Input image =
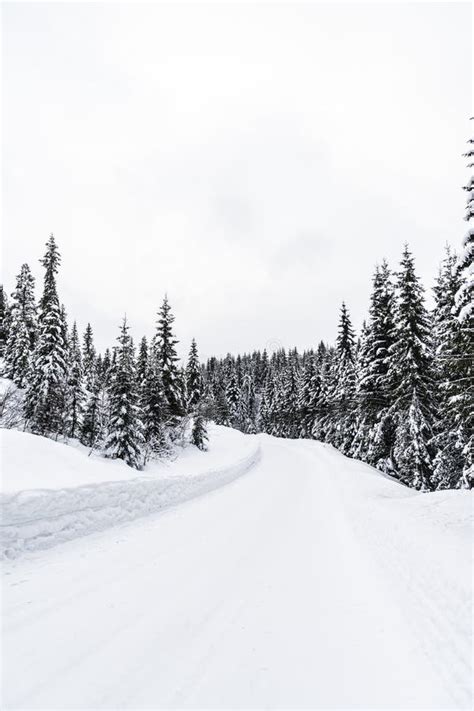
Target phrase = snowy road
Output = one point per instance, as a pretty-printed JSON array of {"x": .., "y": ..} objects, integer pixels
[{"x": 310, "y": 582}]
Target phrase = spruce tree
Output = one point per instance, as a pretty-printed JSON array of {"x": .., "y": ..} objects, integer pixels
[
  {"x": 290, "y": 397},
  {"x": 88, "y": 358},
  {"x": 265, "y": 414},
  {"x": 154, "y": 406},
  {"x": 4, "y": 320},
  {"x": 199, "y": 433},
  {"x": 248, "y": 405},
  {"x": 323, "y": 422},
  {"x": 95, "y": 417},
  {"x": 309, "y": 397},
  {"x": 142, "y": 361},
  {"x": 23, "y": 328},
  {"x": 411, "y": 380},
  {"x": 125, "y": 429},
  {"x": 193, "y": 378},
  {"x": 465, "y": 294},
  {"x": 232, "y": 394},
  {"x": 75, "y": 396},
  {"x": 166, "y": 349},
  {"x": 45, "y": 396},
  {"x": 343, "y": 395},
  {"x": 375, "y": 431}
]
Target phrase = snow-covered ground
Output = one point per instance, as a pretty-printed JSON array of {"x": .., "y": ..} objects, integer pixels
[
  {"x": 310, "y": 582},
  {"x": 52, "y": 492}
]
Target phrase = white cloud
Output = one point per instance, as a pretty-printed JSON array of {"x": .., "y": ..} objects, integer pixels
[{"x": 253, "y": 160}]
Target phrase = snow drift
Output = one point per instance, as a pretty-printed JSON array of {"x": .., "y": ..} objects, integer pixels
[{"x": 53, "y": 492}]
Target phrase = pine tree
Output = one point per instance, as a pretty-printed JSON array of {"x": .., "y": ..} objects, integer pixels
[
  {"x": 232, "y": 394},
  {"x": 323, "y": 422},
  {"x": 375, "y": 431},
  {"x": 166, "y": 345},
  {"x": 142, "y": 361},
  {"x": 365, "y": 396},
  {"x": 411, "y": 379},
  {"x": 75, "y": 397},
  {"x": 23, "y": 327},
  {"x": 125, "y": 429},
  {"x": 309, "y": 397},
  {"x": 462, "y": 359},
  {"x": 154, "y": 406},
  {"x": 343, "y": 394},
  {"x": 248, "y": 405},
  {"x": 45, "y": 396},
  {"x": 290, "y": 397},
  {"x": 265, "y": 415},
  {"x": 88, "y": 358},
  {"x": 465, "y": 294},
  {"x": 199, "y": 433},
  {"x": 94, "y": 421},
  {"x": 193, "y": 378},
  {"x": 4, "y": 320}
]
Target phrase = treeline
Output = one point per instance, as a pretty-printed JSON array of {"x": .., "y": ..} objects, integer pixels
[
  {"x": 129, "y": 404},
  {"x": 399, "y": 397}
]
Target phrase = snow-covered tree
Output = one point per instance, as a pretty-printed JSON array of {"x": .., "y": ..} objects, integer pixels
[
  {"x": 45, "y": 395},
  {"x": 154, "y": 406},
  {"x": 343, "y": 400},
  {"x": 411, "y": 380},
  {"x": 125, "y": 428},
  {"x": 88, "y": 358},
  {"x": 308, "y": 397},
  {"x": 199, "y": 433},
  {"x": 75, "y": 394},
  {"x": 232, "y": 394},
  {"x": 95, "y": 417},
  {"x": 168, "y": 359},
  {"x": 4, "y": 320},
  {"x": 248, "y": 405},
  {"x": 23, "y": 328},
  {"x": 374, "y": 438},
  {"x": 142, "y": 361},
  {"x": 193, "y": 378}
]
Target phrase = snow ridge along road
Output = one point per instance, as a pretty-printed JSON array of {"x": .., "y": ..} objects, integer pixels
[
  {"x": 312, "y": 582},
  {"x": 36, "y": 519}
]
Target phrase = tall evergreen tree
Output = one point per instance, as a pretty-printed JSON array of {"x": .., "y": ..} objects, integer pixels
[
  {"x": 344, "y": 411},
  {"x": 193, "y": 378},
  {"x": 23, "y": 327},
  {"x": 166, "y": 345},
  {"x": 290, "y": 395},
  {"x": 248, "y": 405},
  {"x": 125, "y": 429},
  {"x": 376, "y": 436},
  {"x": 4, "y": 320},
  {"x": 88, "y": 358},
  {"x": 232, "y": 394},
  {"x": 411, "y": 380},
  {"x": 142, "y": 361},
  {"x": 95, "y": 417},
  {"x": 45, "y": 396},
  {"x": 309, "y": 393},
  {"x": 450, "y": 433},
  {"x": 154, "y": 406},
  {"x": 75, "y": 395},
  {"x": 199, "y": 433}
]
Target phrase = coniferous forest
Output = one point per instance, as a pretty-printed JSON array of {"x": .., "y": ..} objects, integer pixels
[{"x": 398, "y": 395}]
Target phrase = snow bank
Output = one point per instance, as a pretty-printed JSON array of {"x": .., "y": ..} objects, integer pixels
[{"x": 53, "y": 492}]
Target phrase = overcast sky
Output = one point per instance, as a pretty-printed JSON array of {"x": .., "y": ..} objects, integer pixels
[{"x": 254, "y": 161}]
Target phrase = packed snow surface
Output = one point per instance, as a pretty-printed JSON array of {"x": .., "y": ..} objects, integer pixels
[{"x": 310, "y": 582}]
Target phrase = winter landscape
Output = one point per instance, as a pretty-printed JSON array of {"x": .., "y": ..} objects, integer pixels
[{"x": 196, "y": 512}]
